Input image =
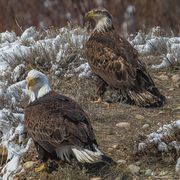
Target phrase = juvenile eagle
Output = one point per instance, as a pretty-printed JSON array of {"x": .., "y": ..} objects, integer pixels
[
  {"x": 57, "y": 124},
  {"x": 116, "y": 63}
]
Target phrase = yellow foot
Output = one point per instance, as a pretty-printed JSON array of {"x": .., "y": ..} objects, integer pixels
[
  {"x": 43, "y": 166},
  {"x": 100, "y": 101}
]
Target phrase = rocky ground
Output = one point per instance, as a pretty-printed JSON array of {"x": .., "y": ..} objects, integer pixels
[{"x": 117, "y": 128}]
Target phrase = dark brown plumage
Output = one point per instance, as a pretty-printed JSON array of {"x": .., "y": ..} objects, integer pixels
[
  {"x": 54, "y": 121},
  {"x": 116, "y": 63}
]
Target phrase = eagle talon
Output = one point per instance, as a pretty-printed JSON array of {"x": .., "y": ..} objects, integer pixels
[
  {"x": 100, "y": 101},
  {"x": 42, "y": 167}
]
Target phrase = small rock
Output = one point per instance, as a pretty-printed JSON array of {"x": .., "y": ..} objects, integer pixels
[
  {"x": 161, "y": 112},
  {"x": 133, "y": 169},
  {"x": 96, "y": 178},
  {"x": 138, "y": 116},
  {"x": 121, "y": 161},
  {"x": 148, "y": 172},
  {"x": 123, "y": 125},
  {"x": 29, "y": 164},
  {"x": 145, "y": 126},
  {"x": 110, "y": 150},
  {"x": 171, "y": 89},
  {"x": 175, "y": 78},
  {"x": 163, "y": 77},
  {"x": 177, "y": 108},
  {"x": 115, "y": 146}
]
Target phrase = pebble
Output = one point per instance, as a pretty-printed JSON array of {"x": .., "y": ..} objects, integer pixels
[
  {"x": 115, "y": 146},
  {"x": 110, "y": 150},
  {"x": 123, "y": 125},
  {"x": 29, "y": 164},
  {"x": 133, "y": 169},
  {"x": 138, "y": 116},
  {"x": 175, "y": 78},
  {"x": 145, "y": 126},
  {"x": 121, "y": 161},
  {"x": 161, "y": 112},
  {"x": 96, "y": 178},
  {"x": 177, "y": 108}
]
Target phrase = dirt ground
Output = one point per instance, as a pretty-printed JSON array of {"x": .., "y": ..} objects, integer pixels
[{"x": 118, "y": 142}]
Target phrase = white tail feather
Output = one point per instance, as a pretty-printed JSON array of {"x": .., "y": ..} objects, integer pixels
[
  {"x": 81, "y": 154},
  {"x": 64, "y": 153},
  {"x": 87, "y": 156}
]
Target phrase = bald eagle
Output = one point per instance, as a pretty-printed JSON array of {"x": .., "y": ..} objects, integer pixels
[
  {"x": 117, "y": 63},
  {"x": 57, "y": 124}
]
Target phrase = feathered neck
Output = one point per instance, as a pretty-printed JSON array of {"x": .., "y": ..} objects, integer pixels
[
  {"x": 103, "y": 25},
  {"x": 37, "y": 93}
]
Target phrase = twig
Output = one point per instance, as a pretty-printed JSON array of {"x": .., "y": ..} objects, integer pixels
[{"x": 18, "y": 25}]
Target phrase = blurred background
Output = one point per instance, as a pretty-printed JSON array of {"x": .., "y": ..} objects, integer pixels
[{"x": 129, "y": 16}]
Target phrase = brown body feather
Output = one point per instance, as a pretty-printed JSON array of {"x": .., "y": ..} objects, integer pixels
[
  {"x": 54, "y": 121},
  {"x": 116, "y": 63}
]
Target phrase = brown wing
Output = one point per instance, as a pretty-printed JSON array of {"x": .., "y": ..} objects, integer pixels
[
  {"x": 55, "y": 120},
  {"x": 113, "y": 59}
]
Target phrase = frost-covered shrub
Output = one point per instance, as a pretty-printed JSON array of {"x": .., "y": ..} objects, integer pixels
[
  {"x": 165, "y": 140},
  {"x": 154, "y": 43}
]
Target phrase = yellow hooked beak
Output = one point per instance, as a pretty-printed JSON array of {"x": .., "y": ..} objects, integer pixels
[
  {"x": 30, "y": 82},
  {"x": 89, "y": 15}
]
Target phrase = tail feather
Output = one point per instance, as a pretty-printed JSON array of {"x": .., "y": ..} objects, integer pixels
[
  {"x": 146, "y": 98},
  {"x": 144, "y": 92},
  {"x": 87, "y": 156}
]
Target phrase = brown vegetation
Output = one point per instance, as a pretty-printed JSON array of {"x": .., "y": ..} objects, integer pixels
[{"x": 46, "y": 13}]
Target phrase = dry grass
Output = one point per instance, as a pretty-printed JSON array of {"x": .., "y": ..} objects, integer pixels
[{"x": 104, "y": 122}]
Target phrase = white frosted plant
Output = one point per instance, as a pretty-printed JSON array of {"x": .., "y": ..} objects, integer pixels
[
  {"x": 154, "y": 44},
  {"x": 14, "y": 164},
  {"x": 164, "y": 140}
]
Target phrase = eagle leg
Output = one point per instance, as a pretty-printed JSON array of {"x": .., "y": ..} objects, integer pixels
[{"x": 101, "y": 85}]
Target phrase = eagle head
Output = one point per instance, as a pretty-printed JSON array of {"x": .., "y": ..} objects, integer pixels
[
  {"x": 37, "y": 84},
  {"x": 102, "y": 17}
]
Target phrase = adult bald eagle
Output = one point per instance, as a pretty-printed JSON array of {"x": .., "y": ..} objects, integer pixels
[
  {"x": 116, "y": 63},
  {"x": 57, "y": 124}
]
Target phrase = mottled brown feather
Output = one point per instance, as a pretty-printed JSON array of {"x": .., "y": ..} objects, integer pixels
[
  {"x": 116, "y": 62},
  {"x": 55, "y": 120}
]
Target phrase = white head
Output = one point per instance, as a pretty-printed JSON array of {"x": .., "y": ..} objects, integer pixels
[{"x": 37, "y": 84}]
